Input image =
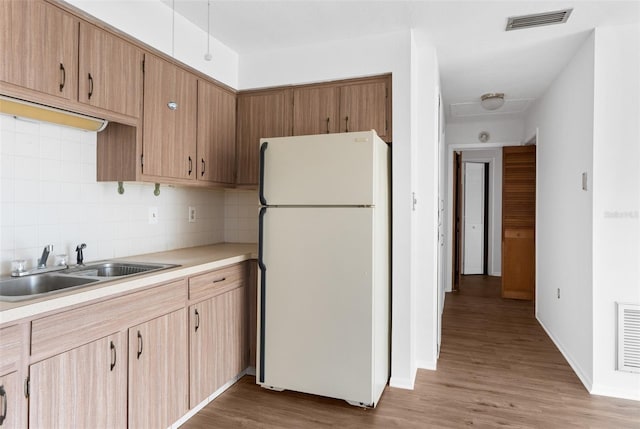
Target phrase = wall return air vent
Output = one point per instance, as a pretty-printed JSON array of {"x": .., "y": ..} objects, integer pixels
[
  {"x": 628, "y": 337},
  {"x": 538, "y": 19}
]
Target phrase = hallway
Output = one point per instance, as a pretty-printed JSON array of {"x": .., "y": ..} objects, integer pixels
[{"x": 497, "y": 368}]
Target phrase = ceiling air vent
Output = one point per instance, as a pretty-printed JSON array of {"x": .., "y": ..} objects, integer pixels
[{"x": 538, "y": 19}]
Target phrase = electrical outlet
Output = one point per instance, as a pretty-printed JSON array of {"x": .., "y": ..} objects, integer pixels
[
  {"x": 192, "y": 214},
  {"x": 153, "y": 215},
  {"x": 558, "y": 293}
]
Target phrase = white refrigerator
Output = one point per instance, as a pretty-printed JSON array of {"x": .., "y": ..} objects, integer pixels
[{"x": 324, "y": 258}]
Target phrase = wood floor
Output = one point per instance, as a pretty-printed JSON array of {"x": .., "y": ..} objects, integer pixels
[{"x": 497, "y": 368}]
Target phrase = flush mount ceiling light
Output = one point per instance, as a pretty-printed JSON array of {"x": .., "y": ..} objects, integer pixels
[
  {"x": 492, "y": 100},
  {"x": 208, "y": 56}
]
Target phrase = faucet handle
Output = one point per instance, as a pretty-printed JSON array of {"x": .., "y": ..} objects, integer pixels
[{"x": 80, "y": 257}]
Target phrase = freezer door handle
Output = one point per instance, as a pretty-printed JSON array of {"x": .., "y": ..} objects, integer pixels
[
  {"x": 263, "y": 283},
  {"x": 263, "y": 148}
]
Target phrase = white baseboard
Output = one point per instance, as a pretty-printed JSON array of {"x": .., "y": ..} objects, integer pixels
[
  {"x": 632, "y": 394},
  {"x": 404, "y": 382},
  {"x": 192, "y": 412},
  {"x": 583, "y": 376},
  {"x": 427, "y": 364}
]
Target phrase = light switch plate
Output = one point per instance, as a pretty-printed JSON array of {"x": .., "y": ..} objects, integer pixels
[
  {"x": 585, "y": 181},
  {"x": 192, "y": 214}
]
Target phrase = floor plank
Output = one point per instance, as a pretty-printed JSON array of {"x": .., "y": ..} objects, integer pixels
[{"x": 497, "y": 368}]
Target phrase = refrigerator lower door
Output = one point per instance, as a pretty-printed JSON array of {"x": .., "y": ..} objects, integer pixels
[{"x": 316, "y": 301}]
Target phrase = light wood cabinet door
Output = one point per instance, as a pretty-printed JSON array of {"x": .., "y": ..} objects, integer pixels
[
  {"x": 158, "y": 371},
  {"x": 10, "y": 397},
  {"x": 218, "y": 342},
  {"x": 262, "y": 114},
  {"x": 169, "y": 124},
  {"x": 363, "y": 107},
  {"x": 519, "y": 222},
  {"x": 216, "y": 134},
  {"x": 82, "y": 388},
  {"x": 315, "y": 110},
  {"x": 39, "y": 47},
  {"x": 110, "y": 74}
]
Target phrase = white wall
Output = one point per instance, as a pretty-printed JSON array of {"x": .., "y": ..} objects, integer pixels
[
  {"x": 150, "y": 21},
  {"x": 362, "y": 57},
  {"x": 49, "y": 195},
  {"x": 616, "y": 199},
  {"x": 564, "y": 222},
  {"x": 425, "y": 93},
  {"x": 494, "y": 158},
  {"x": 504, "y": 131}
]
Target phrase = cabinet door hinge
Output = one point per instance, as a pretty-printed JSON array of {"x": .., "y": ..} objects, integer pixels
[
  {"x": 142, "y": 66},
  {"x": 386, "y": 125},
  {"x": 386, "y": 92},
  {"x": 142, "y": 163},
  {"x": 26, "y": 387}
]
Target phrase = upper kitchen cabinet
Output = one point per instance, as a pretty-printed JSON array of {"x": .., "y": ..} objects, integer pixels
[
  {"x": 110, "y": 75},
  {"x": 216, "y": 134},
  {"x": 365, "y": 106},
  {"x": 169, "y": 121},
  {"x": 260, "y": 114},
  {"x": 40, "y": 48},
  {"x": 315, "y": 110}
]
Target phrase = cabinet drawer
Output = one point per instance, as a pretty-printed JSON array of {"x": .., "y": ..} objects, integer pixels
[
  {"x": 10, "y": 348},
  {"x": 67, "y": 330},
  {"x": 216, "y": 282}
]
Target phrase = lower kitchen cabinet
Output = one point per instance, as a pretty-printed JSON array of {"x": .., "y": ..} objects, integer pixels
[
  {"x": 82, "y": 388},
  {"x": 10, "y": 397},
  {"x": 158, "y": 373},
  {"x": 218, "y": 342}
]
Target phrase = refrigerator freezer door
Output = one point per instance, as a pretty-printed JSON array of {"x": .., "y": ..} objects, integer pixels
[
  {"x": 331, "y": 169},
  {"x": 316, "y": 331}
]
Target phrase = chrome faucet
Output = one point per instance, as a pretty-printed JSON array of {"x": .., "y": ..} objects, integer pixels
[{"x": 42, "y": 262}]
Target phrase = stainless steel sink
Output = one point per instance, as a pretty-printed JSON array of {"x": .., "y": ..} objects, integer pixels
[
  {"x": 116, "y": 269},
  {"x": 18, "y": 289},
  {"x": 33, "y": 286}
]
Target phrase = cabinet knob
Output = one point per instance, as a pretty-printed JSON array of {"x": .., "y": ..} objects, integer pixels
[{"x": 172, "y": 105}]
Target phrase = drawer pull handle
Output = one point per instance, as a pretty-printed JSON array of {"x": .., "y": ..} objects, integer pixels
[
  {"x": 197, "y": 319},
  {"x": 113, "y": 356},
  {"x": 219, "y": 280},
  {"x": 90, "y": 86},
  {"x": 140, "y": 344},
  {"x": 3, "y": 416},
  {"x": 63, "y": 76}
]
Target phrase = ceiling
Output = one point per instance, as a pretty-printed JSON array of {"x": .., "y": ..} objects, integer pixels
[{"x": 476, "y": 55}]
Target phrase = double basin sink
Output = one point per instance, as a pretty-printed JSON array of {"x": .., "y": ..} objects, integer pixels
[{"x": 33, "y": 286}]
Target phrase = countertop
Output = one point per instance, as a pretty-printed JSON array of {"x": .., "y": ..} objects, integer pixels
[{"x": 193, "y": 260}]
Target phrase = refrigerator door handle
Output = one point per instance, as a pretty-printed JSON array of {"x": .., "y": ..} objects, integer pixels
[
  {"x": 263, "y": 281},
  {"x": 263, "y": 148}
]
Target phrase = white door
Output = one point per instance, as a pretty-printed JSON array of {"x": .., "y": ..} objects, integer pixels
[
  {"x": 334, "y": 169},
  {"x": 318, "y": 301},
  {"x": 473, "y": 259}
]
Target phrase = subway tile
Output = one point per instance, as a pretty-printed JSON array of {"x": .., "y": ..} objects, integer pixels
[
  {"x": 26, "y": 214},
  {"x": 26, "y": 167},
  {"x": 7, "y": 166},
  {"x": 26, "y": 237},
  {"x": 7, "y": 190},
  {"x": 7, "y": 214},
  {"x": 7, "y": 239},
  {"x": 26, "y": 191},
  {"x": 7, "y": 123},
  {"x": 50, "y": 148}
]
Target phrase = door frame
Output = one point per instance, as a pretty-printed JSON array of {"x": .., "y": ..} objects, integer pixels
[{"x": 451, "y": 148}]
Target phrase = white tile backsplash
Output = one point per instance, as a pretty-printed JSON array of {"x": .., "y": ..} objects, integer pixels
[
  {"x": 241, "y": 216},
  {"x": 49, "y": 195}
]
